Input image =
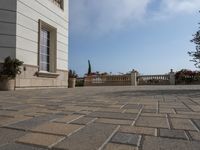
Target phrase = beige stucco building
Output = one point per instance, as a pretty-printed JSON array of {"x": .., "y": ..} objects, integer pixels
[{"x": 36, "y": 32}]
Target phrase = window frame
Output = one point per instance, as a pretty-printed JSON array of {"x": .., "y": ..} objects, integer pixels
[
  {"x": 58, "y": 4},
  {"x": 52, "y": 47}
]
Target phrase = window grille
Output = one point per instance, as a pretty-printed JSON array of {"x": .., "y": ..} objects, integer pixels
[{"x": 44, "y": 50}]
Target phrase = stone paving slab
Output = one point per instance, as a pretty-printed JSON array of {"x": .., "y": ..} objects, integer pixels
[
  {"x": 9, "y": 135},
  {"x": 57, "y": 128},
  {"x": 195, "y": 135},
  {"x": 185, "y": 116},
  {"x": 194, "y": 107},
  {"x": 179, "y": 134},
  {"x": 82, "y": 112},
  {"x": 126, "y": 138},
  {"x": 114, "y": 146},
  {"x": 91, "y": 137},
  {"x": 7, "y": 113},
  {"x": 157, "y": 143},
  {"x": 156, "y": 122},
  {"x": 18, "y": 108},
  {"x": 10, "y": 120},
  {"x": 157, "y": 115},
  {"x": 135, "y": 111},
  {"x": 138, "y": 130},
  {"x": 83, "y": 120},
  {"x": 166, "y": 111},
  {"x": 149, "y": 110},
  {"x": 14, "y": 146},
  {"x": 179, "y": 110},
  {"x": 67, "y": 119},
  {"x": 114, "y": 121},
  {"x": 197, "y": 123},
  {"x": 111, "y": 110},
  {"x": 103, "y": 118},
  {"x": 31, "y": 123},
  {"x": 182, "y": 124},
  {"x": 41, "y": 140},
  {"x": 132, "y": 106},
  {"x": 113, "y": 115},
  {"x": 4, "y": 120}
]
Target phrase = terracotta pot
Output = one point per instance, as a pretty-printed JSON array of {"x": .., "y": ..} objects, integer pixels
[
  {"x": 7, "y": 84},
  {"x": 72, "y": 82}
]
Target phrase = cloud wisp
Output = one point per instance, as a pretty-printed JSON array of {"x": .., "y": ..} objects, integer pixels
[
  {"x": 104, "y": 16},
  {"x": 180, "y": 6}
]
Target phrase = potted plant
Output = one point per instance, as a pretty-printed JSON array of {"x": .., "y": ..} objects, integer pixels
[
  {"x": 72, "y": 79},
  {"x": 10, "y": 69}
]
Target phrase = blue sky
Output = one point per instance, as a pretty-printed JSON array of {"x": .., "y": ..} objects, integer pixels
[{"x": 151, "y": 36}]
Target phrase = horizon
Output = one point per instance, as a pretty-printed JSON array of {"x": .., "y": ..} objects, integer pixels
[{"x": 151, "y": 37}]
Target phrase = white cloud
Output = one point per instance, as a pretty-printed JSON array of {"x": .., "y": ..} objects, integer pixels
[
  {"x": 104, "y": 16},
  {"x": 180, "y": 6}
]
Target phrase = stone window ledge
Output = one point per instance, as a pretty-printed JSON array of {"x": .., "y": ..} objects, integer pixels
[{"x": 47, "y": 74}]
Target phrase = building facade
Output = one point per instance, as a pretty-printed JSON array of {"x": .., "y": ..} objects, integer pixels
[{"x": 36, "y": 32}]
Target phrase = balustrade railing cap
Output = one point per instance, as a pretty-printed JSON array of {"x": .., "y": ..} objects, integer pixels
[{"x": 134, "y": 71}]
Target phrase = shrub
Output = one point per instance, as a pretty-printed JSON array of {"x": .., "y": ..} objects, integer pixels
[
  {"x": 11, "y": 67},
  {"x": 72, "y": 74},
  {"x": 187, "y": 76}
]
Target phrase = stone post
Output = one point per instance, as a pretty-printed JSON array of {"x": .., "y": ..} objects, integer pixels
[
  {"x": 172, "y": 77},
  {"x": 134, "y": 78}
]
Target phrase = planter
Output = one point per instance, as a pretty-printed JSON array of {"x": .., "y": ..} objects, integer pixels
[
  {"x": 72, "y": 82},
  {"x": 7, "y": 84}
]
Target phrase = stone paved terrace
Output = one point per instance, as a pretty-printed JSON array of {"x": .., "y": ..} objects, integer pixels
[{"x": 101, "y": 118}]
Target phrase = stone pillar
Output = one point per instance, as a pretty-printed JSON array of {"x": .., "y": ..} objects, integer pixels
[
  {"x": 134, "y": 78},
  {"x": 172, "y": 77}
]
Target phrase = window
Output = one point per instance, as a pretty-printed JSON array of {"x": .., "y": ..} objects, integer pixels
[
  {"x": 44, "y": 50},
  {"x": 47, "y": 48},
  {"x": 59, "y": 3}
]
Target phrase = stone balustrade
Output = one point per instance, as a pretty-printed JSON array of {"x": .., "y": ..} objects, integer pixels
[
  {"x": 133, "y": 79},
  {"x": 153, "y": 79},
  {"x": 107, "y": 80}
]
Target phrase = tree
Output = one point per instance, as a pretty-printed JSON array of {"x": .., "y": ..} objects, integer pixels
[
  {"x": 89, "y": 68},
  {"x": 196, "y": 54}
]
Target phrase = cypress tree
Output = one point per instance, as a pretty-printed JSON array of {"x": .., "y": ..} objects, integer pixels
[{"x": 89, "y": 68}]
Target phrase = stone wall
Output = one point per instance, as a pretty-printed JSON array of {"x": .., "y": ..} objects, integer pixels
[
  {"x": 29, "y": 14},
  {"x": 19, "y": 38},
  {"x": 30, "y": 79},
  {"x": 7, "y": 28}
]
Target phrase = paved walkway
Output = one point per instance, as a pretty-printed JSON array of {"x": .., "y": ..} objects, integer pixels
[{"x": 107, "y": 118}]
